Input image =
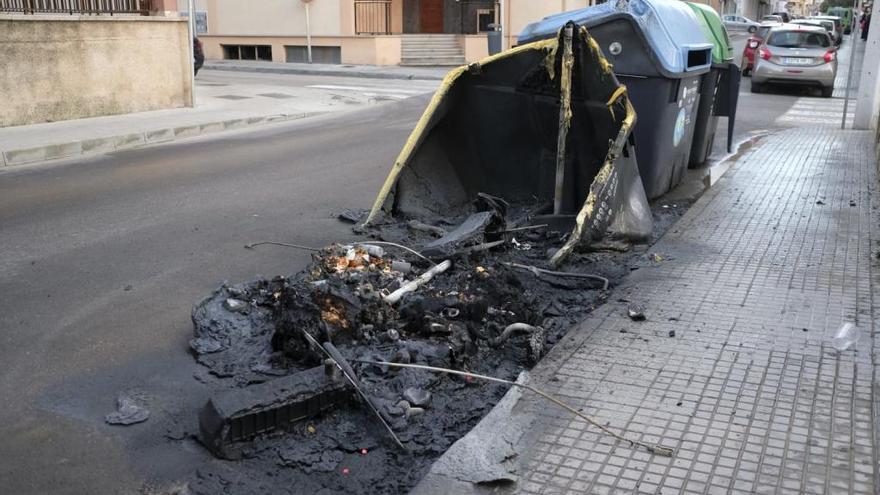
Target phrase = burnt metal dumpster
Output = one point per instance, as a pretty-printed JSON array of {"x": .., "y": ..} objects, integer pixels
[
  {"x": 719, "y": 88},
  {"x": 546, "y": 126},
  {"x": 659, "y": 52}
]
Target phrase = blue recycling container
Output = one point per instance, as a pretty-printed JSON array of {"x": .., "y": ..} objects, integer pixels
[{"x": 659, "y": 51}]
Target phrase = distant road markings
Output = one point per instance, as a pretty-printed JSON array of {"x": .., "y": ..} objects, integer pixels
[
  {"x": 815, "y": 111},
  {"x": 397, "y": 93}
]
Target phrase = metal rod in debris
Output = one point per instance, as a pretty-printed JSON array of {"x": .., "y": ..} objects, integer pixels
[
  {"x": 654, "y": 449},
  {"x": 348, "y": 373},
  {"x": 538, "y": 271},
  {"x": 564, "y": 116},
  {"x": 853, "y": 32}
]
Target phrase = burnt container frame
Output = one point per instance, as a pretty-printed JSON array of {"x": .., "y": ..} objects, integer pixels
[{"x": 663, "y": 100}]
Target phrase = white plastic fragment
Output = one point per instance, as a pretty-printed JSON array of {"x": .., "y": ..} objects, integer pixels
[{"x": 412, "y": 285}]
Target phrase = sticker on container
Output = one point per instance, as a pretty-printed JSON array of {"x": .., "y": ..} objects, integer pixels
[{"x": 678, "y": 131}]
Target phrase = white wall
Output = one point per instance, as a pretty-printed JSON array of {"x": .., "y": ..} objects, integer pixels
[
  {"x": 868, "y": 102},
  {"x": 271, "y": 17}
]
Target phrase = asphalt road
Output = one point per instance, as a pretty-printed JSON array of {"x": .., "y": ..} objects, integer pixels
[
  {"x": 352, "y": 87},
  {"x": 104, "y": 257}
]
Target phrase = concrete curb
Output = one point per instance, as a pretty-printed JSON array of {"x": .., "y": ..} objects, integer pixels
[
  {"x": 717, "y": 170},
  {"x": 119, "y": 142},
  {"x": 310, "y": 71}
]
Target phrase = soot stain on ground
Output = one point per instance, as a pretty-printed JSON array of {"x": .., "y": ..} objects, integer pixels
[{"x": 251, "y": 333}]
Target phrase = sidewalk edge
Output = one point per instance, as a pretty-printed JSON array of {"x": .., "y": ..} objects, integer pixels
[
  {"x": 127, "y": 141},
  {"x": 308, "y": 71}
]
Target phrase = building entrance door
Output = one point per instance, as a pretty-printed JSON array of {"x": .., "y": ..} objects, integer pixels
[{"x": 431, "y": 16}]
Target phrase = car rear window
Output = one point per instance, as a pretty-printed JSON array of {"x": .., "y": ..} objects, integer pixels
[
  {"x": 798, "y": 39},
  {"x": 833, "y": 21},
  {"x": 762, "y": 32},
  {"x": 826, "y": 26}
]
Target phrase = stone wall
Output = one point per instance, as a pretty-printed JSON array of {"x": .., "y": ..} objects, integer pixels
[{"x": 66, "y": 67}]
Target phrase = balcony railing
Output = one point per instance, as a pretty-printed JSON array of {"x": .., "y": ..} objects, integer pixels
[
  {"x": 96, "y": 7},
  {"x": 372, "y": 16}
]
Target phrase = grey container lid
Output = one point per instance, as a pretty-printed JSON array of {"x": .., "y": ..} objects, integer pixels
[{"x": 670, "y": 27}]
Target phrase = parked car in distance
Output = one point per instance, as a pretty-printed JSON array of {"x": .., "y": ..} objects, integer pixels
[
  {"x": 748, "y": 56},
  {"x": 796, "y": 55},
  {"x": 739, "y": 23},
  {"x": 771, "y": 18},
  {"x": 838, "y": 22},
  {"x": 846, "y": 16},
  {"x": 784, "y": 15},
  {"x": 826, "y": 24}
]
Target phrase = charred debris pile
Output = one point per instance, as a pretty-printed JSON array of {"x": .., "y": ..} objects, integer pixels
[
  {"x": 478, "y": 264},
  {"x": 484, "y": 306}
]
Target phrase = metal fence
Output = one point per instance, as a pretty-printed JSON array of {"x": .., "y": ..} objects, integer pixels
[
  {"x": 111, "y": 7},
  {"x": 372, "y": 16}
]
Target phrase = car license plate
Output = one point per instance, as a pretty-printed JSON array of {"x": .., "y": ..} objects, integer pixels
[{"x": 797, "y": 61}]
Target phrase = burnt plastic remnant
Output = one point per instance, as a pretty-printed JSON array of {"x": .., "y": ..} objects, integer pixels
[
  {"x": 475, "y": 225},
  {"x": 239, "y": 415}
]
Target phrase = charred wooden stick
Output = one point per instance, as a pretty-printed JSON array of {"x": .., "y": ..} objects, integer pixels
[
  {"x": 412, "y": 285},
  {"x": 424, "y": 227},
  {"x": 654, "y": 449},
  {"x": 480, "y": 247}
]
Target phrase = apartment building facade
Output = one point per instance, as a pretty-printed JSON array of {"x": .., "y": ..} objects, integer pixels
[{"x": 380, "y": 32}]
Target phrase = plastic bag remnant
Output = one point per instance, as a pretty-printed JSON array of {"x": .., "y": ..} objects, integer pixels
[
  {"x": 492, "y": 127},
  {"x": 846, "y": 336},
  {"x": 130, "y": 409}
]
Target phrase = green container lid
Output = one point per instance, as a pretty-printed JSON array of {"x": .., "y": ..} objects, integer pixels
[{"x": 713, "y": 29}]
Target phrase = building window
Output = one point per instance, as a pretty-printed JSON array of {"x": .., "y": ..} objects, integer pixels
[
  {"x": 247, "y": 52},
  {"x": 484, "y": 18},
  {"x": 320, "y": 54}
]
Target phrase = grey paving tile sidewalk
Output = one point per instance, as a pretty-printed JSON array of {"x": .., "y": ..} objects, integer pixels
[{"x": 756, "y": 278}]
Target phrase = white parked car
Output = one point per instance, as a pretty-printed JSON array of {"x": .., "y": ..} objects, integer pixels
[{"x": 739, "y": 23}]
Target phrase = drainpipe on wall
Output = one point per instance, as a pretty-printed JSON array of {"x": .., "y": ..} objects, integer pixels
[
  {"x": 503, "y": 22},
  {"x": 191, "y": 28},
  {"x": 308, "y": 31}
]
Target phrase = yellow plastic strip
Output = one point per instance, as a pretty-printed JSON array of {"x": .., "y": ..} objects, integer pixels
[
  {"x": 620, "y": 91},
  {"x": 588, "y": 209}
]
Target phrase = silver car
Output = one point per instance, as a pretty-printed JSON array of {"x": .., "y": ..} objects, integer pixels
[
  {"x": 796, "y": 55},
  {"x": 739, "y": 23}
]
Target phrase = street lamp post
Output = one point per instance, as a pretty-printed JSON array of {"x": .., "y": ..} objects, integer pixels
[{"x": 853, "y": 34}]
